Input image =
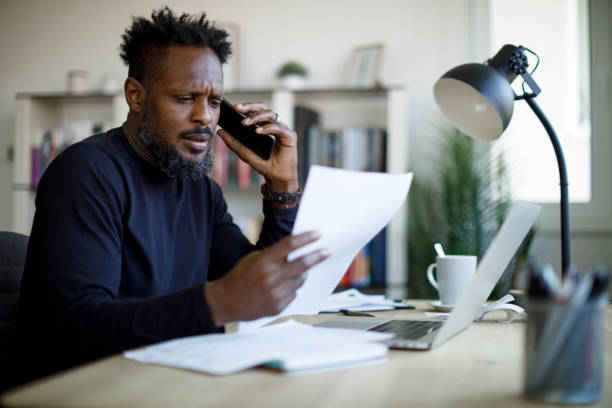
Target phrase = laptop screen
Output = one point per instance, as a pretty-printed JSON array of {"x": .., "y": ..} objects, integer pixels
[{"x": 519, "y": 220}]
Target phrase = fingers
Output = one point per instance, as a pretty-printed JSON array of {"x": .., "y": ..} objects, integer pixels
[
  {"x": 277, "y": 255},
  {"x": 295, "y": 270},
  {"x": 264, "y": 283},
  {"x": 284, "y": 136},
  {"x": 286, "y": 292},
  {"x": 262, "y": 117},
  {"x": 290, "y": 243},
  {"x": 258, "y": 113},
  {"x": 294, "y": 277},
  {"x": 246, "y": 107},
  {"x": 311, "y": 259},
  {"x": 298, "y": 266}
]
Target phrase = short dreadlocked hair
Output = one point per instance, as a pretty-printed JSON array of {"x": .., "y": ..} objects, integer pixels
[{"x": 146, "y": 42}]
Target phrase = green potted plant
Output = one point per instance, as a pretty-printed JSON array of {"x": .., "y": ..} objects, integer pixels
[
  {"x": 292, "y": 75},
  {"x": 461, "y": 204}
]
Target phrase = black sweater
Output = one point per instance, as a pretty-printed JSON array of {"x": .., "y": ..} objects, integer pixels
[{"x": 119, "y": 254}]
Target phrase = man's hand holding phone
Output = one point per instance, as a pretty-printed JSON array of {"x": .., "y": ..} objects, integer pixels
[{"x": 280, "y": 169}]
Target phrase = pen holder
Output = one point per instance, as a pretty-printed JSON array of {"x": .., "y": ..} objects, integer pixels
[{"x": 564, "y": 352}]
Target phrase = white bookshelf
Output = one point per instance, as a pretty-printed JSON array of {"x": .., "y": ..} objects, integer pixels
[
  {"x": 384, "y": 108},
  {"x": 37, "y": 113}
]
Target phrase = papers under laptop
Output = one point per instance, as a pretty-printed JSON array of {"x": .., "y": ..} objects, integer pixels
[{"x": 426, "y": 334}]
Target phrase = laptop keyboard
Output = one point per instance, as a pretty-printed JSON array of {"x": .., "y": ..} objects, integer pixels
[{"x": 408, "y": 329}]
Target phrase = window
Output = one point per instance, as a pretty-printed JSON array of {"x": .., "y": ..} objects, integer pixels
[
  {"x": 572, "y": 38},
  {"x": 558, "y": 31}
]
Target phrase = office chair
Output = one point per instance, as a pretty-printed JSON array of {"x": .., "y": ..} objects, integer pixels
[{"x": 13, "y": 248}]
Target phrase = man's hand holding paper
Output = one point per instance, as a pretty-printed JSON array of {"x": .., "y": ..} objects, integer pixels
[{"x": 348, "y": 208}]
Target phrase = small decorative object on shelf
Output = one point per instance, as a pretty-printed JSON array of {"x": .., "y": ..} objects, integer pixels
[
  {"x": 76, "y": 81},
  {"x": 293, "y": 75},
  {"x": 364, "y": 66}
]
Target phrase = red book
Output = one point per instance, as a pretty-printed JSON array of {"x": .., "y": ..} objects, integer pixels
[
  {"x": 345, "y": 281},
  {"x": 353, "y": 271},
  {"x": 244, "y": 174},
  {"x": 220, "y": 162}
]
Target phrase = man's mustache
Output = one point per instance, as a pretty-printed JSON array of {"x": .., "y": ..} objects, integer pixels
[{"x": 202, "y": 130}]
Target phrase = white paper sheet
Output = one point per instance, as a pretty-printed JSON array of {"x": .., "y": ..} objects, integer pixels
[
  {"x": 290, "y": 346},
  {"x": 348, "y": 208},
  {"x": 353, "y": 299}
]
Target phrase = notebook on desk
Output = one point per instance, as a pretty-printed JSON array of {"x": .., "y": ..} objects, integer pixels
[{"x": 426, "y": 334}]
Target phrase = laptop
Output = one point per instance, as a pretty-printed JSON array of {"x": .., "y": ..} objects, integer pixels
[{"x": 427, "y": 334}]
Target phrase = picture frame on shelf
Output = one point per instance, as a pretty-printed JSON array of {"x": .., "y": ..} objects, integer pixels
[
  {"x": 364, "y": 66},
  {"x": 230, "y": 68}
]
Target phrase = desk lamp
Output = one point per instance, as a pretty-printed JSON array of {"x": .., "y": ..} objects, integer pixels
[{"x": 478, "y": 100}]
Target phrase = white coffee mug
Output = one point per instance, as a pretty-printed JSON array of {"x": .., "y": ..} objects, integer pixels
[{"x": 454, "y": 272}]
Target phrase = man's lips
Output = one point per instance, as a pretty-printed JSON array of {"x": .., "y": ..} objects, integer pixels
[
  {"x": 197, "y": 141},
  {"x": 197, "y": 137}
]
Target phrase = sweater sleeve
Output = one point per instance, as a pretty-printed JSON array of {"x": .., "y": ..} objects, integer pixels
[
  {"x": 229, "y": 244},
  {"x": 74, "y": 270}
]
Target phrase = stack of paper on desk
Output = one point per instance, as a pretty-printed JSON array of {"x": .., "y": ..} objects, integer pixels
[{"x": 290, "y": 346}]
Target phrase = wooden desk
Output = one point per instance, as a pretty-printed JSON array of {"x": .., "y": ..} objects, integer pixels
[{"x": 480, "y": 367}]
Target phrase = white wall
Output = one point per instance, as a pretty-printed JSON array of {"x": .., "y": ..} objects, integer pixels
[{"x": 41, "y": 40}]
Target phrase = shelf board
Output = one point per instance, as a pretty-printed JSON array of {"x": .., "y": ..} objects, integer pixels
[
  {"x": 99, "y": 94},
  {"x": 330, "y": 90},
  {"x": 23, "y": 187},
  {"x": 64, "y": 95}
]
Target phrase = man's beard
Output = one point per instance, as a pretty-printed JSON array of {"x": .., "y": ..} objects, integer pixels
[{"x": 169, "y": 159}]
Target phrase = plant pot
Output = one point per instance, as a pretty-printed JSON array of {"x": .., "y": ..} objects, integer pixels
[{"x": 293, "y": 81}]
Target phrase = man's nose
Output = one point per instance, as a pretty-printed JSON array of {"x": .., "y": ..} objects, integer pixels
[{"x": 202, "y": 113}]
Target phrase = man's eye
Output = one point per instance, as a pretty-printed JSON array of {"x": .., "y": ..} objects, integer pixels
[
  {"x": 215, "y": 103},
  {"x": 184, "y": 99}
]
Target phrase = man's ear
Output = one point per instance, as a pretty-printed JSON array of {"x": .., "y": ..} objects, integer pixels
[{"x": 135, "y": 94}]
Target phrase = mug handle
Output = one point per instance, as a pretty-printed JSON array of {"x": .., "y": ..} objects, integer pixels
[{"x": 430, "y": 276}]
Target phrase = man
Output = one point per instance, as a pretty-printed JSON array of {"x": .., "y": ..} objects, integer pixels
[{"x": 131, "y": 242}]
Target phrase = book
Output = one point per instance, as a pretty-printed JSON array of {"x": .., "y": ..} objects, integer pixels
[
  {"x": 230, "y": 170},
  {"x": 377, "y": 142},
  {"x": 36, "y": 161},
  {"x": 305, "y": 119},
  {"x": 289, "y": 346},
  {"x": 42, "y": 156},
  {"x": 315, "y": 141},
  {"x": 379, "y": 258},
  {"x": 220, "y": 162},
  {"x": 244, "y": 173},
  {"x": 48, "y": 150}
]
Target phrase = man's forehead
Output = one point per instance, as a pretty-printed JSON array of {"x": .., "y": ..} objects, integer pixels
[{"x": 192, "y": 66}]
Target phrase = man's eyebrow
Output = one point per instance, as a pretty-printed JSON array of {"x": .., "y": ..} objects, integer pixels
[
  {"x": 187, "y": 91},
  {"x": 190, "y": 91}
]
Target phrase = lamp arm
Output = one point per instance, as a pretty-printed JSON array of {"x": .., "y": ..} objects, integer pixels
[{"x": 565, "y": 240}]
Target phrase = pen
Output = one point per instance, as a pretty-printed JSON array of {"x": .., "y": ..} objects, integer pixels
[
  {"x": 406, "y": 307},
  {"x": 537, "y": 287},
  {"x": 353, "y": 313},
  {"x": 600, "y": 282}
]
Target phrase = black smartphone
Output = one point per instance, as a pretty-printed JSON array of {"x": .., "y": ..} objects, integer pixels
[{"x": 230, "y": 120}]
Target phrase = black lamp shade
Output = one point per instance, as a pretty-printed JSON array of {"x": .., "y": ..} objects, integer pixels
[{"x": 476, "y": 99}]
